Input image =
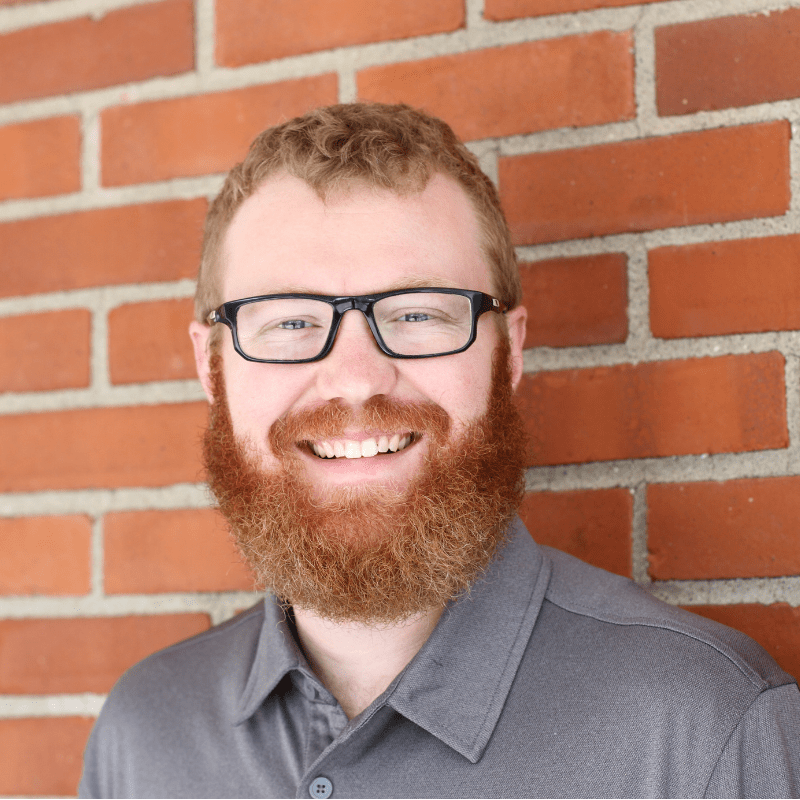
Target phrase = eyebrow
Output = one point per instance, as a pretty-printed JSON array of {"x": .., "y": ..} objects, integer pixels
[{"x": 419, "y": 282}]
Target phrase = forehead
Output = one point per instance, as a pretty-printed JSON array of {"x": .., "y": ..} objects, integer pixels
[{"x": 285, "y": 238}]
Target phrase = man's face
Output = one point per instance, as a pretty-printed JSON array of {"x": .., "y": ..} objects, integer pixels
[
  {"x": 285, "y": 239},
  {"x": 378, "y": 538}
]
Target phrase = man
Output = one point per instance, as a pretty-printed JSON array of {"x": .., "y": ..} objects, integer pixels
[{"x": 359, "y": 335}]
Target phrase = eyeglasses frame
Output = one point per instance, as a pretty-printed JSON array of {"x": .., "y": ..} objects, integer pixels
[{"x": 480, "y": 303}]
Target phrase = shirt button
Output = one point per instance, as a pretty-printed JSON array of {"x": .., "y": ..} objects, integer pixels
[{"x": 320, "y": 788}]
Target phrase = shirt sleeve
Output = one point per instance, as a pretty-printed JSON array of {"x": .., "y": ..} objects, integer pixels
[
  {"x": 762, "y": 756},
  {"x": 97, "y": 765}
]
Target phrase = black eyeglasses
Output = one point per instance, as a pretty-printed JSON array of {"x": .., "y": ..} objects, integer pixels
[{"x": 407, "y": 323}]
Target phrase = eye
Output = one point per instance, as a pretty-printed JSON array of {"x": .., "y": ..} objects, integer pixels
[
  {"x": 415, "y": 316},
  {"x": 294, "y": 324}
]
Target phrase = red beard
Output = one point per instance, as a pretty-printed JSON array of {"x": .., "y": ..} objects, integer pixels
[{"x": 372, "y": 554}]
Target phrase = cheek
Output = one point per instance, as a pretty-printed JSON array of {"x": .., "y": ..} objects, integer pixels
[
  {"x": 461, "y": 386},
  {"x": 257, "y": 396}
]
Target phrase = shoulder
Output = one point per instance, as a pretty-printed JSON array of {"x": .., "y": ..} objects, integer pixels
[
  {"x": 185, "y": 693},
  {"x": 621, "y": 610},
  {"x": 216, "y": 661},
  {"x": 668, "y": 697}
]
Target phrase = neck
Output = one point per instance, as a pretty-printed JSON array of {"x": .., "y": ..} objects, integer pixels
[{"x": 357, "y": 662}]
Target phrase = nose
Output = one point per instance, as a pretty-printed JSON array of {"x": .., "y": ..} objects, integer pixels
[{"x": 355, "y": 369}]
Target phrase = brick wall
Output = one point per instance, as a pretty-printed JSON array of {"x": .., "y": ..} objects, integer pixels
[{"x": 646, "y": 154}]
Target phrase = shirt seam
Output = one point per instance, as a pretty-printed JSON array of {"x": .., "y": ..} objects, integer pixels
[
  {"x": 708, "y": 639},
  {"x": 733, "y": 731}
]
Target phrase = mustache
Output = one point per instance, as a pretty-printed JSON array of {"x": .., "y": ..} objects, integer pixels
[{"x": 378, "y": 414}]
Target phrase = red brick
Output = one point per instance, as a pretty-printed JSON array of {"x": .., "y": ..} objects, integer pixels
[
  {"x": 200, "y": 135},
  {"x": 189, "y": 550},
  {"x": 507, "y": 90},
  {"x": 511, "y": 9},
  {"x": 260, "y": 30},
  {"x": 737, "y": 529},
  {"x": 128, "y": 44},
  {"x": 727, "y": 62},
  {"x": 775, "y": 627},
  {"x": 45, "y": 555},
  {"x": 684, "y": 179},
  {"x": 665, "y": 408},
  {"x": 102, "y": 447},
  {"x": 40, "y": 158},
  {"x": 594, "y": 526},
  {"x": 719, "y": 288},
  {"x": 576, "y": 301},
  {"x": 45, "y": 351},
  {"x": 133, "y": 244},
  {"x": 55, "y": 656},
  {"x": 42, "y": 756},
  {"x": 150, "y": 342}
]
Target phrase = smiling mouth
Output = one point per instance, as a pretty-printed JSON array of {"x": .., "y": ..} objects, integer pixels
[{"x": 366, "y": 448}]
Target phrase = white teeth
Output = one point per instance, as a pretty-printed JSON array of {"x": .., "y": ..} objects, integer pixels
[
  {"x": 352, "y": 450},
  {"x": 367, "y": 448}
]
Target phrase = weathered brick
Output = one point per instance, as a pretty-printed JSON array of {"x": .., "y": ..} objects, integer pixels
[
  {"x": 727, "y": 62},
  {"x": 42, "y": 756},
  {"x": 259, "y": 30},
  {"x": 150, "y": 342},
  {"x": 102, "y": 447},
  {"x": 684, "y": 179},
  {"x": 736, "y": 529},
  {"x": 133, "y": 244},
  {"x": 45, "y": 555},
  {"x": 127, "y": 44},
  {"x": 199, "y": 135},
  {"x": 511, "y": 9},
  {"x": 86, "y": 654},
  {"x": 701, "y": 405},
  {"x": 506, "y": 90},
  {"x": 40, "y": 158},
  {"x": 594, "y": 526},
  {"x": 188, "y": 550},
  {"x": 719, "y": 288},
  {"x": 775, "y": 627},
  {"x": 576, "y": 301},
  {"x": 45, "y": 351}
]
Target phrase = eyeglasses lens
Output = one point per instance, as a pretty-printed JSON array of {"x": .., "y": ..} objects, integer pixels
[{"x": 424, "y": 323}]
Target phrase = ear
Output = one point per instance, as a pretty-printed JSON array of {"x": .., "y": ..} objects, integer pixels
[
  {"x": 515, "y": 320},
  {"x": 200, "y": 335}
]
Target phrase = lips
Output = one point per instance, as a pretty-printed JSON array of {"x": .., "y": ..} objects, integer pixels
[{"x": 365, "y": 448}]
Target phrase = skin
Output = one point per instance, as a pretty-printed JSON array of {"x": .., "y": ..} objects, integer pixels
[{"x": 285, "y": 239}]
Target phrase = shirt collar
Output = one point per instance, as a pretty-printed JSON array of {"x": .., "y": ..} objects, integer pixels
[
  {"x": 276, "y": 655},
  {"x": 456, "y": 686}
]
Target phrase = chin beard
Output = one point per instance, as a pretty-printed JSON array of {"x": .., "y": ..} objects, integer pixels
[{"x": 372, "y": 554}]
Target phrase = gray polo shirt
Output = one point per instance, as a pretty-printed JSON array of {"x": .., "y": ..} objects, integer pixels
[{"x": 551, "y": 679}]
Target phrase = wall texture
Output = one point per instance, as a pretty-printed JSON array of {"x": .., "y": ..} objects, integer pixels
[{"x": 647, "y": 157}]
